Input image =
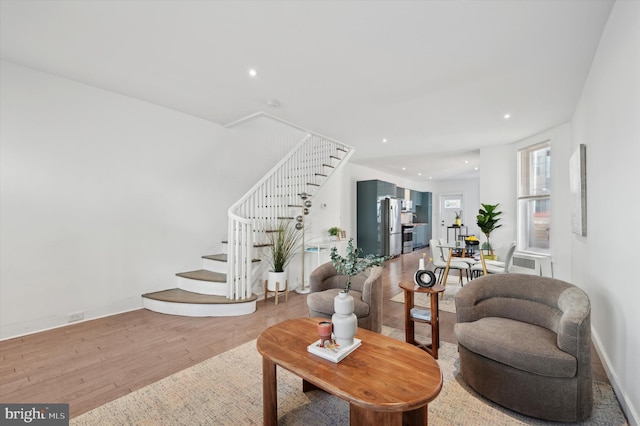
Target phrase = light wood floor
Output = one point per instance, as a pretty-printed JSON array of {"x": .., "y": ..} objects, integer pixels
[{"x": 94, "y": 362}]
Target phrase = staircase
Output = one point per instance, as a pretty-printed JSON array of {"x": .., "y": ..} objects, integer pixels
[{"x": 225, "y": 284}]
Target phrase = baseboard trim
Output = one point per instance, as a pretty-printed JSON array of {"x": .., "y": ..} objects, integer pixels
[
  {"x": 625, "y": 402},
  {"x": 66, "y": 324}
]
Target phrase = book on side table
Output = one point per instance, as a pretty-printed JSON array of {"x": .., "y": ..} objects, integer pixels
[
  {"x": 332, "y": 351},
  {"x": 423, "y": 314}
]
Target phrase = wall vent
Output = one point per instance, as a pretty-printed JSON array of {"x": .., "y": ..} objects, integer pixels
[
  {"x": 532, "y": 264},
  {"x": 524, "y": 263}
]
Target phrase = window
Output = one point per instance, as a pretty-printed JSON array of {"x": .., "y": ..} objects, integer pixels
[
  {"x": 534, "y": 197},
  {"x": 452, "y": 204}
]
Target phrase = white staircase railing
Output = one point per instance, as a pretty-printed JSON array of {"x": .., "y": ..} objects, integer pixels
[{"x": 304, "y": 169}]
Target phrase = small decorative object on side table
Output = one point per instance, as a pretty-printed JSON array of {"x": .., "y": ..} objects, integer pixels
[{"x": 421, "y": 316}]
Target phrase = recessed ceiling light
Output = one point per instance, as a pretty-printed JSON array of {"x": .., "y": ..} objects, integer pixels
[
  {"x": 466, "y": 161},
  {"x": 404, "y": 168},
  {"x": 506, "y": 116},
  {"x": 419, "y": 174},
  {"x": 475, "y": 168},
  {"x": 253, "y": 72},
  {"x": 384, "y": 141},
  {"x": 430, "y": 177}
]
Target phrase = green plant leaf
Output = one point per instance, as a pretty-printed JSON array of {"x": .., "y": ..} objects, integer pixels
[
  {"x": 352, "y": 264},
  {"x": 284, "y": 242},
  {"x": 487, "y": 219}
]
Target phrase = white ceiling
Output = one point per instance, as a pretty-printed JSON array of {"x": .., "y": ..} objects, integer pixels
[{"x": 434, "y": 78}]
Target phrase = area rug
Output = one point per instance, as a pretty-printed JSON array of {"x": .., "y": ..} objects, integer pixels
[
  {"x": 227, "y": 390},
  {"x": 447, "y": 301}
]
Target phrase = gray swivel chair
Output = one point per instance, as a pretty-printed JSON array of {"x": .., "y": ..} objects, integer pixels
[
  {"x": 366, "y": 288},
  {"x": 524, "y": 342}
]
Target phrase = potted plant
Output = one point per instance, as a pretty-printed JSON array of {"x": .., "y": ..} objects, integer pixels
[
  {"x": 334, "y": 233},
  {"x": 283, "y": 240},
  {"x": 458, "y": 218},
  {"x": 352, "y": 264},
  {"x": 344, "y": 320},
  {"x": 487, "y": 220}
]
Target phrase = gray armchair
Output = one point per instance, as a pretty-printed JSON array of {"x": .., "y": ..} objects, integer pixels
[
  {"x": 524, "y": 342},
  {"x": 366, "y": 288}
]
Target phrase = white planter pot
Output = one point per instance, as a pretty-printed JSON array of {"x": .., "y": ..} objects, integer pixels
[
  {"x": 345, "y": 322},
  {"x": 277, "y": 281}
]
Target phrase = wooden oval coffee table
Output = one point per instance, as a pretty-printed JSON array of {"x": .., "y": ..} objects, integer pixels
[{"x": 385, "y": 381}]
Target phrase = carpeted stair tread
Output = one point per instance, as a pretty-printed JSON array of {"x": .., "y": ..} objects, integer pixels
[
  {"x": 222, "y": 257},
  {"x": 204, "y": 275},
  {"x": 176, "y": 295}
]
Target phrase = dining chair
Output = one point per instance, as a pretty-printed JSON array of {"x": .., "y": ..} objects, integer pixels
[
  {"x": 440, "y": 262},
  {"x": 501, "y": 265}
]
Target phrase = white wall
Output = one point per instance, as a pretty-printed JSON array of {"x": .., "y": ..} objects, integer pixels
[
  {"x": 104, "y": 198},
  {"x": 498, "y": 186},
  {"x": 256, "y": 146},
  {"x": 607, "y": 120}
]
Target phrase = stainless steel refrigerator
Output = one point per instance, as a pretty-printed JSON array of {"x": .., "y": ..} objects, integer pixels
[{"x": 391, "y": 226}]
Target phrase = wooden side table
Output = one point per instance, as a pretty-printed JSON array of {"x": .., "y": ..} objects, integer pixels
[{"x": 409, "y": 321}]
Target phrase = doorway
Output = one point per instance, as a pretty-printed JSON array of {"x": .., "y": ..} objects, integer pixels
[{"x": 450, "y": 204}]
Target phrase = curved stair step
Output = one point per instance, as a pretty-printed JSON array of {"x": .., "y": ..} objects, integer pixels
[
  {"x": 203, "y": 281},
  {"x": 222, "y": 257},
  {"x": 185, "y": 303},
  {"x": 204, "y": 275}
]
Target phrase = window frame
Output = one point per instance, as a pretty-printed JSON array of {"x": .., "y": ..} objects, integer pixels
[{"x": 526, "y": 199}]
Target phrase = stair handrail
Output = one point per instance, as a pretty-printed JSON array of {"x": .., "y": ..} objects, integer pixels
[{"x": 242, "y": 230}]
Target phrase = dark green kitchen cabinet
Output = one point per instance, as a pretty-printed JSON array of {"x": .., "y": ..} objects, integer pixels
[
  {"x": 369, "y": 194},
  {"x": 424, "y": 215},
  {"x": 416, "y": 199}
]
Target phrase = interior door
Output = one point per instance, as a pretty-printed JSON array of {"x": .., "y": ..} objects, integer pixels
[{"x": 449, "y": 205}]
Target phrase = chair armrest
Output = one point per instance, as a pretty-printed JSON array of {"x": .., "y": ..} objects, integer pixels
[
  {"x": 369, "y": 288},
  {"x": 467, "y": 299},
  {"x": 318, "y": 278},
  {"x": 574, "y": 327}
]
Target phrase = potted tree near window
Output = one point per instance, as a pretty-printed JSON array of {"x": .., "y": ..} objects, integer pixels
[
  {"x": 487, "y": 220},
  {"x": 283, "y": 240}
]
